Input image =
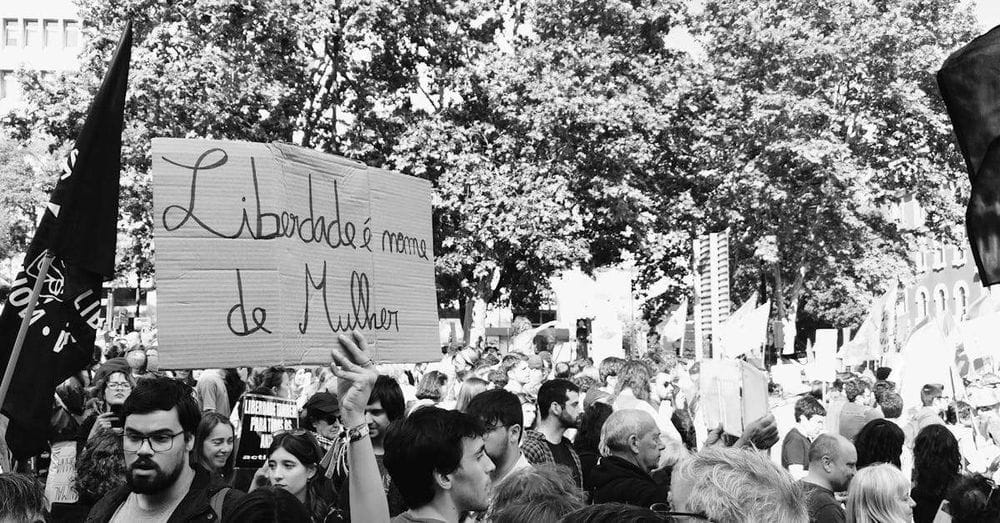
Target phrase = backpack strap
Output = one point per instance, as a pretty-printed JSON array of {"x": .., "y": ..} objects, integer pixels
[{"x": 217, "y": 499}]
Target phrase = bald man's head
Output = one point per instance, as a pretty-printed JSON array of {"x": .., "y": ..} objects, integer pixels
[
  {"x": 632, "y": 434},
  {"x": 833, "y": 458}
]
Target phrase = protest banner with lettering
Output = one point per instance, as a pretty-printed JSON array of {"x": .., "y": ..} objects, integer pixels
[
  {"x": 266, "y": 252},
  {"x": 260, "y": 418},
  {"x": 62, "y": 472}
]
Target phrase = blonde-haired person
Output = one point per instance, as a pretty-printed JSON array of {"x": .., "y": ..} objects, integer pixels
[
  {"x": 879, "y": 494},
  {"x": 470, "y": 388}
]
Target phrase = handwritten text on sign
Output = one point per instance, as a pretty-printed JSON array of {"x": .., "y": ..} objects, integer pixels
[{"x": 266, "y": 252}]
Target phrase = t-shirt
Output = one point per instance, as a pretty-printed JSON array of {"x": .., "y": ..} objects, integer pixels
[
  {"x": 212, "y": 391},
  {"x": 562, "y": 456},
  {"x": 130, "y": 511},
  {"x": 822, "y": 505},
  {"x": 795, "y": 450}
]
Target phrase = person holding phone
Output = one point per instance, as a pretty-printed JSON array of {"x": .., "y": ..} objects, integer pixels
[{"x": 105, "y": 409}]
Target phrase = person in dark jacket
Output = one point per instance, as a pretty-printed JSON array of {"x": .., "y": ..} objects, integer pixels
[
  {"x": 631, "y": 447},
  {"x": 588, "y": 437},
  {"x": 160, "y": 419}
]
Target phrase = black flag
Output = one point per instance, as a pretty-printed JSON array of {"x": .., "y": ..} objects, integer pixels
[
  {"x": 970, "y": 85},
  {"x": 79, "y": 228}
]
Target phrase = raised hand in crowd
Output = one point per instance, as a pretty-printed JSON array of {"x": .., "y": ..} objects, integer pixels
[
  {"x": 762, "y": 433},
  {"x": 356, "y": 376},
  {"x": 104, "y": 421}
]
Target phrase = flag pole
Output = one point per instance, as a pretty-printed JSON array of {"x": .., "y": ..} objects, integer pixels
[{"x": 22, "y": 332}]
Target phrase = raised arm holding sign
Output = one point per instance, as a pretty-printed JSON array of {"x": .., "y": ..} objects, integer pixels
[{"x": 356, "y": 376}]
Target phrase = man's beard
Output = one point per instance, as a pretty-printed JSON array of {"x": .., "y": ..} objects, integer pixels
[
  {"x": 567, "y": 421},
  {"x": 154, "y": 484}
]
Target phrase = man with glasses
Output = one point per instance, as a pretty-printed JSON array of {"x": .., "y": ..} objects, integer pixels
[
  {"x": 500, "y": 412},
  {"x": 160, "y": 421}
]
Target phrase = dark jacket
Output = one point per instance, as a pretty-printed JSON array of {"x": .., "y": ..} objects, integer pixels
[
  {"x": 196, "y": 505},
  {"x": 615, "y": 480}
]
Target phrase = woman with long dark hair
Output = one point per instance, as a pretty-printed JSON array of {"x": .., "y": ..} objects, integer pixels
[
  {"x": 293, "y": 463},
  {"x": 936, "y": 464},
  {"x": 103, "y": 411},
  {"x": 213, "y": 445},
  {"x": 588, "y": 437},
  {"x": 879, "y": 441}
]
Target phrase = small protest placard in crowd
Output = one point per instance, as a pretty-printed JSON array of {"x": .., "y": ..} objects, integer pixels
[
  {"x": 265, "y": 253},
  {"x": 733, "y": 393},
  {"x": 260, "y": 418},
  {"x": 62, "y": 472}
]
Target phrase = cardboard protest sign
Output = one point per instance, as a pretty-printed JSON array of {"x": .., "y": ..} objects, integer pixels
[
  {"x": 62, "y": 472},
  {"x": 733, "y": 393},
  {"x": 260, "y": 418},
  {"x": 265, "y": 253}
]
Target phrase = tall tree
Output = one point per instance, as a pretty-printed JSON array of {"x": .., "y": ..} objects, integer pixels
[
  {"x": 824, "y": 114},
  {"x": 335, "y": 75},
  {"x": 567, "y": 146}
]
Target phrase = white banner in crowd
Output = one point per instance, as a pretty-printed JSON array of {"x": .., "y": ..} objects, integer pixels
[
  {"x": 745, "y": 331},
  {"x": 876, "y": 336},
  {"x": 266, "y": 252}
]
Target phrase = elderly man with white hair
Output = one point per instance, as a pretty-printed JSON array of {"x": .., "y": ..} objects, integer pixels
[
  {"x": 736, "y": 485},
  {"x": 631, "y": 447}
]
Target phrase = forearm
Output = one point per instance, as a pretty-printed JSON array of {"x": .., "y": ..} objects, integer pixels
[{"x": 367, "y": 494}]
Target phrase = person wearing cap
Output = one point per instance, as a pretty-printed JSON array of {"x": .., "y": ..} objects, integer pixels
[
  {"x": 934, "y": 403},
  {"x": 322, "y": 416}
]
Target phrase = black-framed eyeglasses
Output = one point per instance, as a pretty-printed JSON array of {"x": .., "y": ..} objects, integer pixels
[{"x": 159, "y": 442}]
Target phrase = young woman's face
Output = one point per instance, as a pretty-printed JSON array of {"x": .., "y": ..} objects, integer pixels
[
  {"x": 218, "y": 446},
  {"x": 117, "y": 389},
  {"x": 287, "y": 472}
]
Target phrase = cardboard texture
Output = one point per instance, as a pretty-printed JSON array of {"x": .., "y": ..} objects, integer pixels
[
  {"x": 260, "y": 418},
  {"x": 734, "y": 393},
  {"x": 266, "y": 252},
  {"x": 62, "y": 472}
]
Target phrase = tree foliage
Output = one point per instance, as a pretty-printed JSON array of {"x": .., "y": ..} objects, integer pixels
[
  {"x": 567, "y": 148},
  {"x": 561, "y": 133},
  {"x": 823, "y": 115}
]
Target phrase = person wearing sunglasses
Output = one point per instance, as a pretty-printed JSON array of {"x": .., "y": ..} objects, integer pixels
[{"x": 160, "y": 420}]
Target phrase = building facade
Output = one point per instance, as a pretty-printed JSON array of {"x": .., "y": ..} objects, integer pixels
[
  {"x": 946, "y": 279},
  {"x": 41, "y": 35}
]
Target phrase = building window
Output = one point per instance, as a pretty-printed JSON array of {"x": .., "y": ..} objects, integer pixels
[
  {"x": 958, "y": 256},
  {"x": 10, "y": 33},
  {"x": 71, "y": 33},
  {"x": 939, "y": 257},
  {"x": 961, "y": 301},
  {"x": 32, "y": 34},
  {"x": 4, "y": 78},
  {"x": 52, "y": 33},
  {"x": 921, "y": 303},
  {"x": 921, "y": 261},
  {"x": 940, "y": 299}
]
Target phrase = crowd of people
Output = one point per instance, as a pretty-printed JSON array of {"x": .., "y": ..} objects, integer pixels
[{"x": 484, "y": 435}]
